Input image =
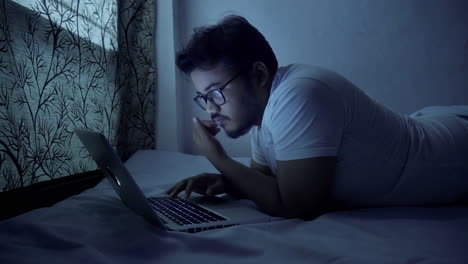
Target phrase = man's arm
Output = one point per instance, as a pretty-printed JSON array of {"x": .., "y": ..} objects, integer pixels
[
  {"x": 300, "y": 189},
  {"x": 260, "y": 167},
  {"x": 305, "y": 185},
  {"x": 233, "y": 191}
]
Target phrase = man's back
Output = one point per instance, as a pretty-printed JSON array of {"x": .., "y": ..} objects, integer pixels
[{"x": 375, "y": 147}]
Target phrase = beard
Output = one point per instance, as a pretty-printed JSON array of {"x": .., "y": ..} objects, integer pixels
[
  {"x": 247, "y": 117},
  {"x": 237, "y": 132}
]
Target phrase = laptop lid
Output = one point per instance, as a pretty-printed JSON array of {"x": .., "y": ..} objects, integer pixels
[
  {"x": 121, "y": 180},
  {"x": 112, "y": 167}
]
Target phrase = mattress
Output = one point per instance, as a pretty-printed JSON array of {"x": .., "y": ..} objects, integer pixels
[{"x": 96, "y": 227}]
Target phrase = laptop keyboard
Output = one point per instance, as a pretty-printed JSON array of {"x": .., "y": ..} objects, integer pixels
[{"x": 183, "y": 212}]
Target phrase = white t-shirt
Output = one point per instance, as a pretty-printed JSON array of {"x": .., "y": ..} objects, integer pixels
[{"x": 316, "y": 112}]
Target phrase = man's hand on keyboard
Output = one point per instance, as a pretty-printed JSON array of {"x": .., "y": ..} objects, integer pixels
[{"x": 205, "y": 184}]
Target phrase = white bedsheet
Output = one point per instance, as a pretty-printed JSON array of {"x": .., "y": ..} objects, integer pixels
[{"x": 95, "y": 227}]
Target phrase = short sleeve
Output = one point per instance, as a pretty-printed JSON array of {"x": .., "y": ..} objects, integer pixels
[
  {"x": 257, "y": 154},
  {"x": 307, "y": 120}
]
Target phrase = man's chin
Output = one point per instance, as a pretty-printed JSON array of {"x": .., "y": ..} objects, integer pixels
[{"x": 236, "y": 133}]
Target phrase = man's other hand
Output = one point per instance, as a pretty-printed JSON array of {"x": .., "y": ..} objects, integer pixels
[
  {"x": 205, "y": 184},
  {"x": 203, "y": 137},
  {"x": 211, "y": 127}
]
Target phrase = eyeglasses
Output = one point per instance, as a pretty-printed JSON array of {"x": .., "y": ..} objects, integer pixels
[{"x": 215, "y": 97}]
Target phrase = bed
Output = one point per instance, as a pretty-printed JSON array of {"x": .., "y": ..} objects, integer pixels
[{"x": 96, "y": 227}]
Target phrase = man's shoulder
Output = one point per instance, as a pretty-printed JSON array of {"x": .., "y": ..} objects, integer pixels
[
  {"x": 304, "y": 87},
  {"x": 292, "y": 78},
  {"x": 301, "y": 71},
  {"x": 298, "y": 79}
]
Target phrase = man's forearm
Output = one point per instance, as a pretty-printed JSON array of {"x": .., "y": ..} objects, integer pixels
[{"x": 250, "y": 184}]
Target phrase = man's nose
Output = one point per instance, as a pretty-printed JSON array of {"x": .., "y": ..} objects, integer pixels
[{"x": 212, "y": 108}]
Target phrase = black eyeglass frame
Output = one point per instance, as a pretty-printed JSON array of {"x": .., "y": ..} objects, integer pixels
[{"x": 207, "y": 97}]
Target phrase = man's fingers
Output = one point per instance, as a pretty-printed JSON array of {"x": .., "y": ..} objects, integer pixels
[
  {"x": 209, "y": 123},
  {"x": 205, "y": 184},
  {"x": 211, "y": 127},
  {"x": 214, "y": 131},
  {"x": 200, "y": 133},
  {"x": 171, "y": 189},
  {"x": 199, "y": 127},
  {"x": 175, "y": 193},
  {"x": 214, "y": 189},
  {"x": 188, "y": 188},
  {"x": 177, "y": 188}
]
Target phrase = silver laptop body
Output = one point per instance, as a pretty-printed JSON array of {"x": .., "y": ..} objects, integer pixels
[{"x": 115, "y": 171}]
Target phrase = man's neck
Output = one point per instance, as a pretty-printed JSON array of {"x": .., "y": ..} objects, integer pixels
[{"x": 263, "y": 98}]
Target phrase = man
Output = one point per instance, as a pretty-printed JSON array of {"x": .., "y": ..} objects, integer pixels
[{"x": 317, "y": 139}]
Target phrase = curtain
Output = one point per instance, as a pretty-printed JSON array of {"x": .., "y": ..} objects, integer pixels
[{"x": 67, "y": 64}]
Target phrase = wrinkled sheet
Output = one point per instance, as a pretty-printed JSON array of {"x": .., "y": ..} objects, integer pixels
[{"x": 95, "y": 227}]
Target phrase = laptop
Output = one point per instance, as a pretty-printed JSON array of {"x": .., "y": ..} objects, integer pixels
[{"x": 195, "y": 214}]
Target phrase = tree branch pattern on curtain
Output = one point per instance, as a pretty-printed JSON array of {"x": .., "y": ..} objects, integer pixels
[{"x": 67, "y": 64}]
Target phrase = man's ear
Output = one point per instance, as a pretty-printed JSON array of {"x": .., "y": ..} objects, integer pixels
[{"x": 260, "y": 73}]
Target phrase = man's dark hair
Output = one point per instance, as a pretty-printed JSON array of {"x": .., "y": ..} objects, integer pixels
[{"x": 233, "y": 41}]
